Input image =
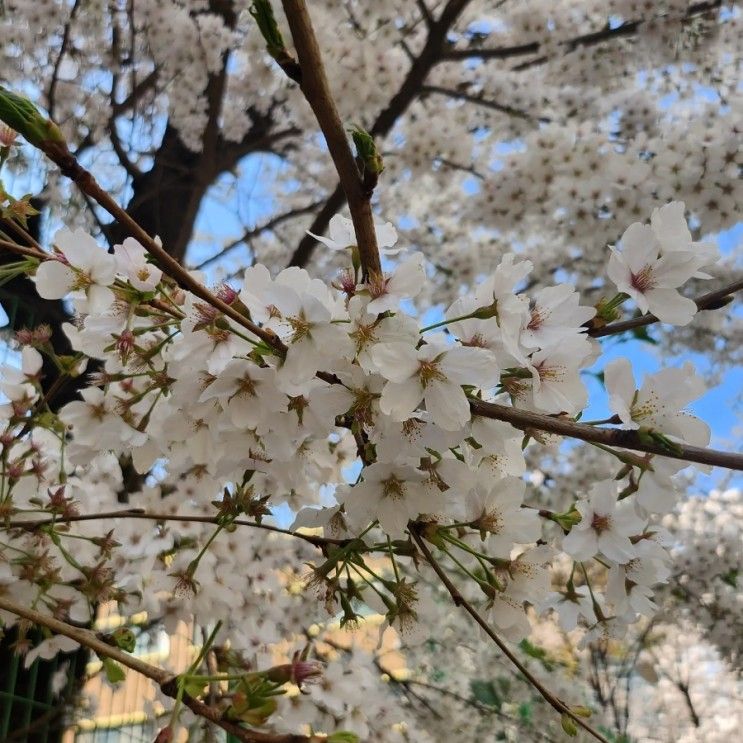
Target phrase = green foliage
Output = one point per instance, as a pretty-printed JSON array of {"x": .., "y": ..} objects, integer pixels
[
  {"x": 490, "y": 693},
  {"x": 114, "y": 672},
  {"x": 262, "y": 11},
  {"x": 124, "y": 638},
  {"x": 366, "y": 150},
  {"x": 343, "y": 736},
  {"x": 568, "y": 725},
  {"x": 540, "y": 654}
]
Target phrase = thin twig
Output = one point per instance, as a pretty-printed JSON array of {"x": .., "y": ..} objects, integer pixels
[
  {"x": 710, "y": 301},
  {"x": 479, "y": 706},
  {"x": 32, "y": 524},
  {"x": 21, "y": 250},
  {"x": 425, "y": 12},
  {"x": 460, "y": 601},
  {"x": 113, "y": 134},
  {"x": 623, "y": 30},
  {"x": 22, "y": 232},
  {"x": 480, "y": 100},
  {"x": 51, "y": 94},
  {"x": 526, "y": 420},
  {"x": 314, "y": 85},
  {"x": 137, "y": 92}
]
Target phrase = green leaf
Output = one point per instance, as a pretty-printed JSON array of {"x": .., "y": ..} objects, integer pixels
[
  {"x": 486, "y": 693},
  {"x": 525, "y": 712},
  {"x": 568, "y": 725},
  {"x": 194, "y": 687},
  {"x": 114, "y": 672},
  {"x": 540, "y": 654},
  {"x": 343, "y": 736},
  {"x": 731, "y": 578}
]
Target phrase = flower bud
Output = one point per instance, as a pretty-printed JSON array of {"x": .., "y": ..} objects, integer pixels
[{"x": 297, "y": 672}]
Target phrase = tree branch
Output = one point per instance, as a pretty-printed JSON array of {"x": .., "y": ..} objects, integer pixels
[
  {"x": 406, "y": 94},
  {"x": 137, "y": 92},
  {"x": 526, "y": 420},
  {"x": 628, "y": 28},
  {"x": 478, "y": 100},
  {"x": 684, "y": 689},
  {"x": 425, "y": 13},
  {"x": 711, "y": 301},
  {"x": 314, "y": 85},
  {"x": 70, "y": 167},
  {"x": 479, "y": 706},
  {"x": 124, "y": 159},
  {"x": 557, "y": 704},
  {"x": 51, "y": 94}
]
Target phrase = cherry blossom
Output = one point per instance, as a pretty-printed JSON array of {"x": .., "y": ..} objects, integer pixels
[
  {"x": 343, "y": 236},
  {"x": 405, "y": 282},
  {"x": 391, "y": 494},
  {"x": 497, "y": 511},
  {"x": 132, "y": 262},
  {"x": 434, "y": 373},
  {"x": 82, "y": 268},
  {"x": 657, "y": 405},
  {"x": 605, "y": 526},
  {"x": 329, "y": 400},
  {"x": 655, "y": 260}
]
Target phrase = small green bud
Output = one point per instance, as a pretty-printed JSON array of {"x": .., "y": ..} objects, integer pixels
[
  {"x": 367, "y": 157},
  {"x": 20, "y": 114},
  {"x": 568, "y": 725},
  {"x": 485, "y": 313},
  {"x": 124, "y": 638},
  {"x": 366, "y": 150},
  {"x": 568, "y": 519},
  {"x": 607, "y": 310}
]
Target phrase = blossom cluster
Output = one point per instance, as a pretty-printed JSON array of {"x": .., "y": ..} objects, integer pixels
[
  {"x": 352, "y": 414},
  {"x": 353, "y": 411}
]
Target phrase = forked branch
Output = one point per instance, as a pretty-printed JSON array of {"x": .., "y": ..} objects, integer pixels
[{"x": 314, "y": 85}]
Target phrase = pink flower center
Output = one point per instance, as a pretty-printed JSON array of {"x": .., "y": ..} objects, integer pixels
[
  {"x": 643, "y": 280},
  {"x": 600, "y": 523}
]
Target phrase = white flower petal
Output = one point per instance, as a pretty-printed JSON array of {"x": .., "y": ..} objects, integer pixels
[{"x": 54, "y": 279}]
